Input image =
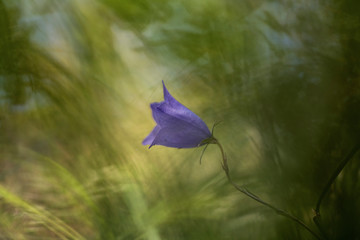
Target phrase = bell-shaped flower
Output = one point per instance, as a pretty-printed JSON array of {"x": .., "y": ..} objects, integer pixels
[{"x": 177, "y": 126}]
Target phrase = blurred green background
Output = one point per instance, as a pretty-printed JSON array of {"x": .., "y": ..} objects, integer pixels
[{"x": 76, "y": 81}]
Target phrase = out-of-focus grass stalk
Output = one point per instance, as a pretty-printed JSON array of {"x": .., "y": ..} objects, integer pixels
[{"x": 53, "y": 223}]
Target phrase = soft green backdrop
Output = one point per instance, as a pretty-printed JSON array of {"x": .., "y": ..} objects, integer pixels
[{"x": 76, "y": 81}]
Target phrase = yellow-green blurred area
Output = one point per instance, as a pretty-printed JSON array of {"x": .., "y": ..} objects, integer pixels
[{"x": 76, "y": 81}]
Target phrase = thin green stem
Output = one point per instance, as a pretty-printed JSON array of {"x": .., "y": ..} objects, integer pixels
[
  {"x": 335, "y": 174},
  {"x": 256, "y": 198}
]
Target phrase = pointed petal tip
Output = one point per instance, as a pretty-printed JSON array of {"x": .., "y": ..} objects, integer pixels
[
  {"x": 166, "y": 92},
  {"x": 163, "y": 85},
  {"x": 146, "y": 142}
]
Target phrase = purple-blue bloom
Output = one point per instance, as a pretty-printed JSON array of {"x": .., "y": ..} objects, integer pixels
[{"x": 177, "y": 126}]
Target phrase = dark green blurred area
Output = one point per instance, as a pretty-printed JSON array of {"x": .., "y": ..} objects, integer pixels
[{"x": 76, "y": 81}]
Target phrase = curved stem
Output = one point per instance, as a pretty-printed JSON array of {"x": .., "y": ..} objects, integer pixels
[
  {"x": 256, "y": 198},
  {"x": 335, "y": 174}
]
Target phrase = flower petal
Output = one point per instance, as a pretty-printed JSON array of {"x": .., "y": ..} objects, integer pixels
[
  {"x": 177, "y": 126},
  {"x": 163, "y": 119},
  {"x": 150, "y": 138},
  {"x": 175, "y": 132},
  {"x": 174, "y": 108},
  {"x": 181, "y": 135}
]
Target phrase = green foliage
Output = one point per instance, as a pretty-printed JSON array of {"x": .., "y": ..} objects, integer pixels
[{"x": 76, "y": 81}]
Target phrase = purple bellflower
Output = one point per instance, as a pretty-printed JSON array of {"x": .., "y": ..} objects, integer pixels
[{"x": 177, "y": 126}]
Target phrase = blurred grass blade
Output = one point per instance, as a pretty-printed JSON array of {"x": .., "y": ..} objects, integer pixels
[{"x": 57, "y": 226}]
